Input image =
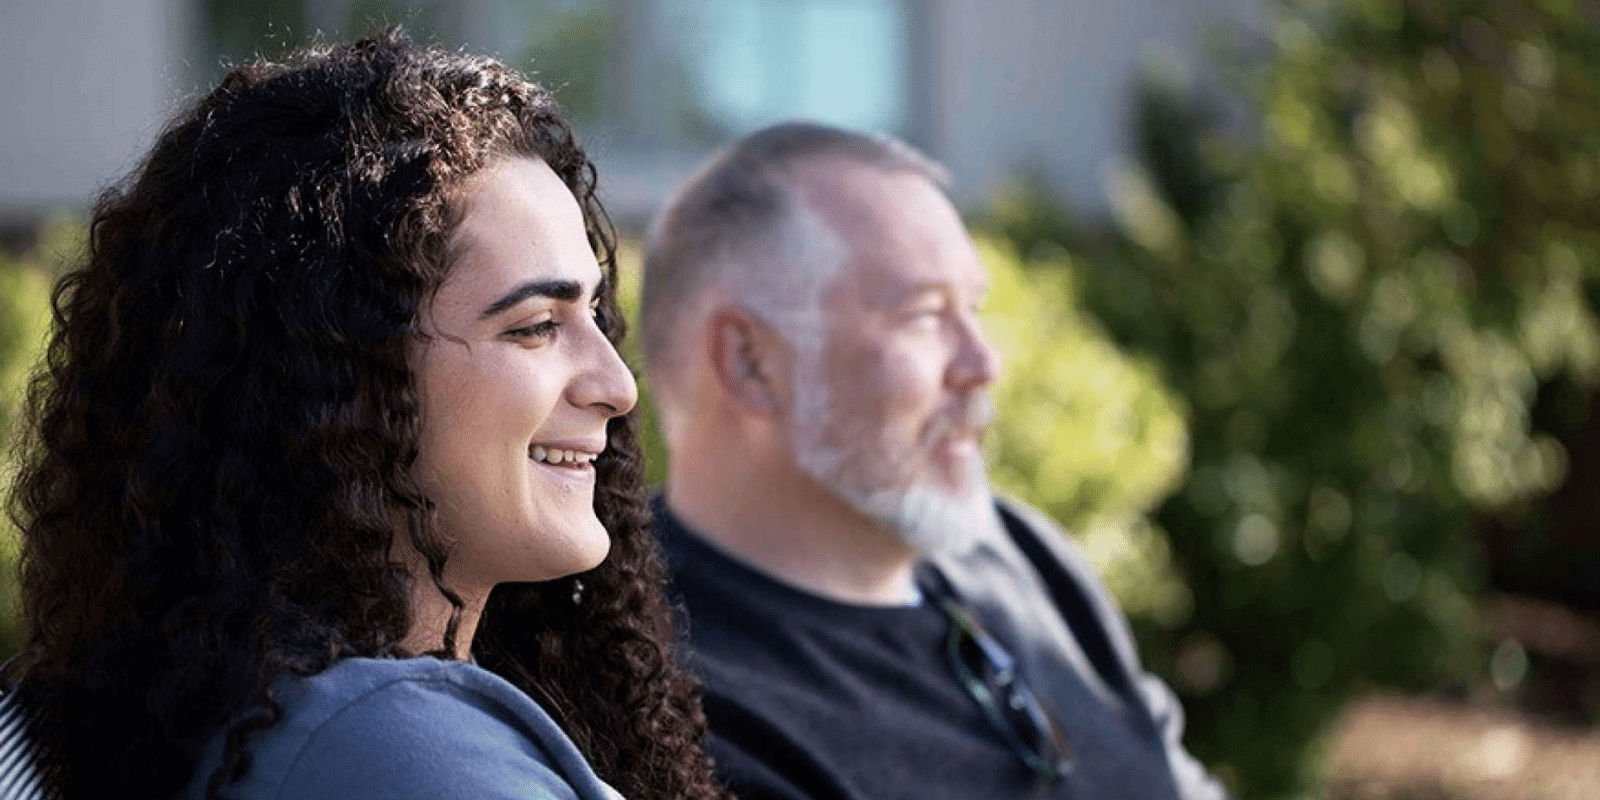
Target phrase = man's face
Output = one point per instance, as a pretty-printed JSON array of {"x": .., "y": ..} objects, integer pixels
[{"x": 890, "y": 402}]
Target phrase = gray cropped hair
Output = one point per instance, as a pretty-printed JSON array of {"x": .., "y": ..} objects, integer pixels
[{"x": 739, "y": 223}]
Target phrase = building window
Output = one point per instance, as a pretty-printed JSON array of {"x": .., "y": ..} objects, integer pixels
[
  {"x": 656, "y": 75},
  {"x": 755, "y": 61}
]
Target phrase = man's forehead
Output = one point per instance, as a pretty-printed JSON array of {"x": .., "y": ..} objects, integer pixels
[
  {"x": 902, "y": 234},
  {"x": 839, "y": 184}
]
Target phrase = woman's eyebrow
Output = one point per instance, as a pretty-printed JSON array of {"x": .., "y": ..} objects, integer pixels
[{"x": 555, "y": 289}]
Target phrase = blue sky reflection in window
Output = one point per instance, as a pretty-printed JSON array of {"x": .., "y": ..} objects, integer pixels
[{"x": 758, "y": 61}]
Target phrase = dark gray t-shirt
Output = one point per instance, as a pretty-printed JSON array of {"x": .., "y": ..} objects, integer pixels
[
  {"x": 409, "y": 728},
  {"x": 810, "y": 699}
]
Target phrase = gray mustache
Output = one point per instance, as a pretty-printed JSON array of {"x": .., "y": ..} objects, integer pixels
[{"x": 973, "y": 414}]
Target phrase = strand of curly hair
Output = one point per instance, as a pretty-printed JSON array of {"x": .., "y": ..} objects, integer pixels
[{"x": 222, "y": 430}]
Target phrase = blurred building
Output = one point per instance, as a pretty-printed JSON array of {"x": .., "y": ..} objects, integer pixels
[
  {"x": 84, "y": 84},
  {"x": 994, "y": 88}
]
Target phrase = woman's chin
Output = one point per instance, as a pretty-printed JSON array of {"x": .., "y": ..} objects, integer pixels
[{"x": 586, "y": 547}]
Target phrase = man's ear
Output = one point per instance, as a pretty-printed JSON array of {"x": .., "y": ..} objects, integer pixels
[{"x": 749, "y": 358}]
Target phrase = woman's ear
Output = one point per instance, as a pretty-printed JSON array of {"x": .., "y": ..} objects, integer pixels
[{"x": 751, "y": 360}]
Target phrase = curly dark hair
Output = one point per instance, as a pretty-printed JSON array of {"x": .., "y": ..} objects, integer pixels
[{"x": 223, "y": 431}]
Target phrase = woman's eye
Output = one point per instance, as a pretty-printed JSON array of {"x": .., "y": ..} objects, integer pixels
[{"x": 538, "y": 330}]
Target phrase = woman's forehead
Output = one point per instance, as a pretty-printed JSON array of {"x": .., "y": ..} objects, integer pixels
[{"x": 520, "y": 222}]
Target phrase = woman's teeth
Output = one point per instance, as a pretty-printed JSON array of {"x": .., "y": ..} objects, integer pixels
[{"x": 554, "y": 455}]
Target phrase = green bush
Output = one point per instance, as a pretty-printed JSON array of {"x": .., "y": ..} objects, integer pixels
[
  {"x": 24, "y": 319},
  {"x": 1379, "y": 316},
  {"x": 1084, "y": 431}
]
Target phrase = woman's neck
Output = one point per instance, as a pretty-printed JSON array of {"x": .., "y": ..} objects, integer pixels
[
  {"x": 430, "y": 616},
  {"x": 431, "y": 610}
]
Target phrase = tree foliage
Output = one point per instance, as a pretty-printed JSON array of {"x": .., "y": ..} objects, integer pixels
[
  {"x": 1379, "y": 313},
  {"x": 24, "y": 318}
]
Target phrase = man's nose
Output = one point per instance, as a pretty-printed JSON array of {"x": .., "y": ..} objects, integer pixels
[{"x": 976, "y": 363}]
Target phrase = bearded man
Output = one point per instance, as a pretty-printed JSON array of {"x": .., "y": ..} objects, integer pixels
[{"x": 868, "y": 619}]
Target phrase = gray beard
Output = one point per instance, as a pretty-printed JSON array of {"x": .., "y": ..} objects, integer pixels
[{"x": 931, "y": 520}]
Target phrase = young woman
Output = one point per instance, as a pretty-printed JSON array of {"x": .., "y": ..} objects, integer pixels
[{"x": 331, "y": 447}]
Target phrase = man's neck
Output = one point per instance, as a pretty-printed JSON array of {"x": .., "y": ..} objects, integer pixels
[{"x": 789, "y": 527}]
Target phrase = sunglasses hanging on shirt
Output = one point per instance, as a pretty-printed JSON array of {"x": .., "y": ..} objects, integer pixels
[{"x": 988, "y": 673}]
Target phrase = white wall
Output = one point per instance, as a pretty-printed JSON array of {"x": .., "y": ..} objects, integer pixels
[
  {"x": 1047, "y": 83},
  {"x": 84, "y": 87}
]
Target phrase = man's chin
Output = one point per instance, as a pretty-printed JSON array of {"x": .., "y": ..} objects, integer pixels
[
  {"x": 935, "y": 521},
  {"x": 943, "y": 510}
]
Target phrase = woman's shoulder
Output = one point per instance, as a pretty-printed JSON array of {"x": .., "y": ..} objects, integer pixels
[
  {"x": 420, "y": 727},
  {"x": 371, "y": 685}
]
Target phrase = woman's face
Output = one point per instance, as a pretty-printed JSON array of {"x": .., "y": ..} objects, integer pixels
[{"x": 517, "y": 384}]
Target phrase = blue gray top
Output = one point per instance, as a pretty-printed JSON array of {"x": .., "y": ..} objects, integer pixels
[{"x": 411, "y": 728}]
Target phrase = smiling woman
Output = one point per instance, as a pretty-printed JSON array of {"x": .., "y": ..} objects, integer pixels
[
  {"x": 333, "y": 486},
  {"x": 518, "y": 382}
]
